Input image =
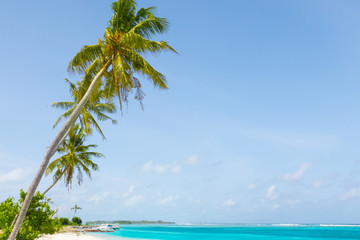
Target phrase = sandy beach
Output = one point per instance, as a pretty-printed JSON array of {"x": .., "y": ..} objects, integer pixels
[{"x": 69, "y": 236}]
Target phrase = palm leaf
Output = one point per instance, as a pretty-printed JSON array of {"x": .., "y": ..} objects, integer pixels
[
  {"x": 64, "y": 115},
  {"x": 77, "y": 158},
  {"x": 151, "y": 25},
  {"x": 84, "y": 58}
]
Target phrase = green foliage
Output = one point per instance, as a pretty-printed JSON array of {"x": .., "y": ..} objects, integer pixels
[
  {"x": 38, "y": 219},
  {"x": 76, "y": 220},
  {"x": 117, "y": 60},
  {"x": 126, "y": 41},
  {"x": 76, "y": 159},
  {"x": 64, "y": 221},
  {"x": 75, "y": 208},
  {"x": 8, "y": 210},
  {"x": 94, "y": 109}
]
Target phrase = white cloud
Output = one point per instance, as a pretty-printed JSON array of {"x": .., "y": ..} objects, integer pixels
[
  {"x": 275, "y": 206},
  {"x": 134, "y": 200},
  {"x": 318, "y": 184},
  {"x": 158, "y": 168},
  {"x": 173, "y": 167},
  {"x": 293, "y": 202},
  {"x": 168, "y": 200},
  {"x": 193, "y": 159},
  {"x": 15, "y": 175},
  {"x": 99, "y": 197},
  {"x": 298, "y": 173},
  {"x": 252, "y": 186},
  {"x": 149, "y": 166},
  {"x": 229, "y": 203},
  {"x": 128, "y": 192},
  {"x": 270, "y": 194},
  {"x": 352, "y": 193}
]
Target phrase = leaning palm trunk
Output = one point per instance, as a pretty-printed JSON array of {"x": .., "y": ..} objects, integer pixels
[
  {"x": 51, "y": 151},
  {"x": 65, "y": 135}
]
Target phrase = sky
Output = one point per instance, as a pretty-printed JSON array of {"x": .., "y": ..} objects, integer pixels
[{"x": 260, "y": 124}]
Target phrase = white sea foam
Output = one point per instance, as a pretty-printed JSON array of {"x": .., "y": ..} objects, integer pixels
[
  {"x": 339, "y": 225},
  {"x": 287, "y": 224}
]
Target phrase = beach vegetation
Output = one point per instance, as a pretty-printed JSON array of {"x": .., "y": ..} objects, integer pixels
[
  {"x": 116, "y": 63},
  {"x": 64, "y": 221},
  {"x": 76, "y": 221},
  {"x": 75, "y": 208},
  {"x": 39, "y": 218}
]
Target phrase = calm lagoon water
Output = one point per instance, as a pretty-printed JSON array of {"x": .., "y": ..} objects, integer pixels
[{"x": 266, "y": 232}]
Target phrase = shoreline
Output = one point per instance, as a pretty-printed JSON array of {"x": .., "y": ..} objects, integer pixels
[
  {"x": 69, "y": 233},
  {"x": 79, "y": 236},
  {"x": 69, "y": 236}
]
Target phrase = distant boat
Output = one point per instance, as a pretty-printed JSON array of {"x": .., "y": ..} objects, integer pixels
[
  {"x": 116, "y": 227},
  {"x": 102, "y": 228},
  {"x": 108, "y": 228}
]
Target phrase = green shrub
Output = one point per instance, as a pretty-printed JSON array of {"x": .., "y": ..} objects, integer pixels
[
  {"x": 64, "y": 221},
  {"x": 76, "y": 220},
  {"x": 38, "y": 218},
  {"x": 8, "y": 210}
]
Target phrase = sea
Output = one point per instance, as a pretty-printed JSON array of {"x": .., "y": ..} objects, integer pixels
[{"x": 232, "y": 232}]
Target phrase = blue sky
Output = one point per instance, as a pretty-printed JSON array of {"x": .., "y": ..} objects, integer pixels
[{"x": 260, "y": 123}]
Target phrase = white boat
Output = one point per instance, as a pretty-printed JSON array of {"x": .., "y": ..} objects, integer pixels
[
  {"x": 106, "y": 228},
  {"x": 116, "y": 227}
]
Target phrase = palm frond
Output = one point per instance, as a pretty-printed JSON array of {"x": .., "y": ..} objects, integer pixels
[
  {"x": 77, "y": 158},
  {"x": 94, "y": 154},
  {"x": 80, "y": 175},
  {"x": 84, "y": 58},
  {"x": 123, "y": 11},
  {"x": 71, "y": 85},
  {"x": 63, "y": 105},
  {"x": 140, "y": 44},
  {"x": 89, "y": 74},
  {"x": 64, "y": 115},
  {"x": 103, "y": 117},
  {"x": 58, "y": 174},
  {"x": 53, "y": 165},
  {"x": 97, "y": 127},
  {"x": 103, "y": 107},
  {"x": 141, "y": 66},
  {"x": 151, "y": 26}
]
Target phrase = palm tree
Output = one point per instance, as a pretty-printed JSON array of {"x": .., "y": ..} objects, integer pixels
[
  {"x": 75, "y": 209},
  {"x": 126, "y": 40},
  {"x": 76, "y": 158},
  {"x": 95, "y": 107}
]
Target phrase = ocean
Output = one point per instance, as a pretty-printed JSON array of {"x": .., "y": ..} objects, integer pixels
[{"x": 238, "y": 232}]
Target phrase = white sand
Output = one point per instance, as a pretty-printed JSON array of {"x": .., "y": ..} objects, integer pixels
[{"x": 68, "y": 236}]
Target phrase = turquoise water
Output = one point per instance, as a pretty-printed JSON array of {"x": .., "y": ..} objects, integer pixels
[{"x": 176, "y": 232}]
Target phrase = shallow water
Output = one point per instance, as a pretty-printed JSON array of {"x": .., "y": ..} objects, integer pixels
[{"x": 202, "y": 232}]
